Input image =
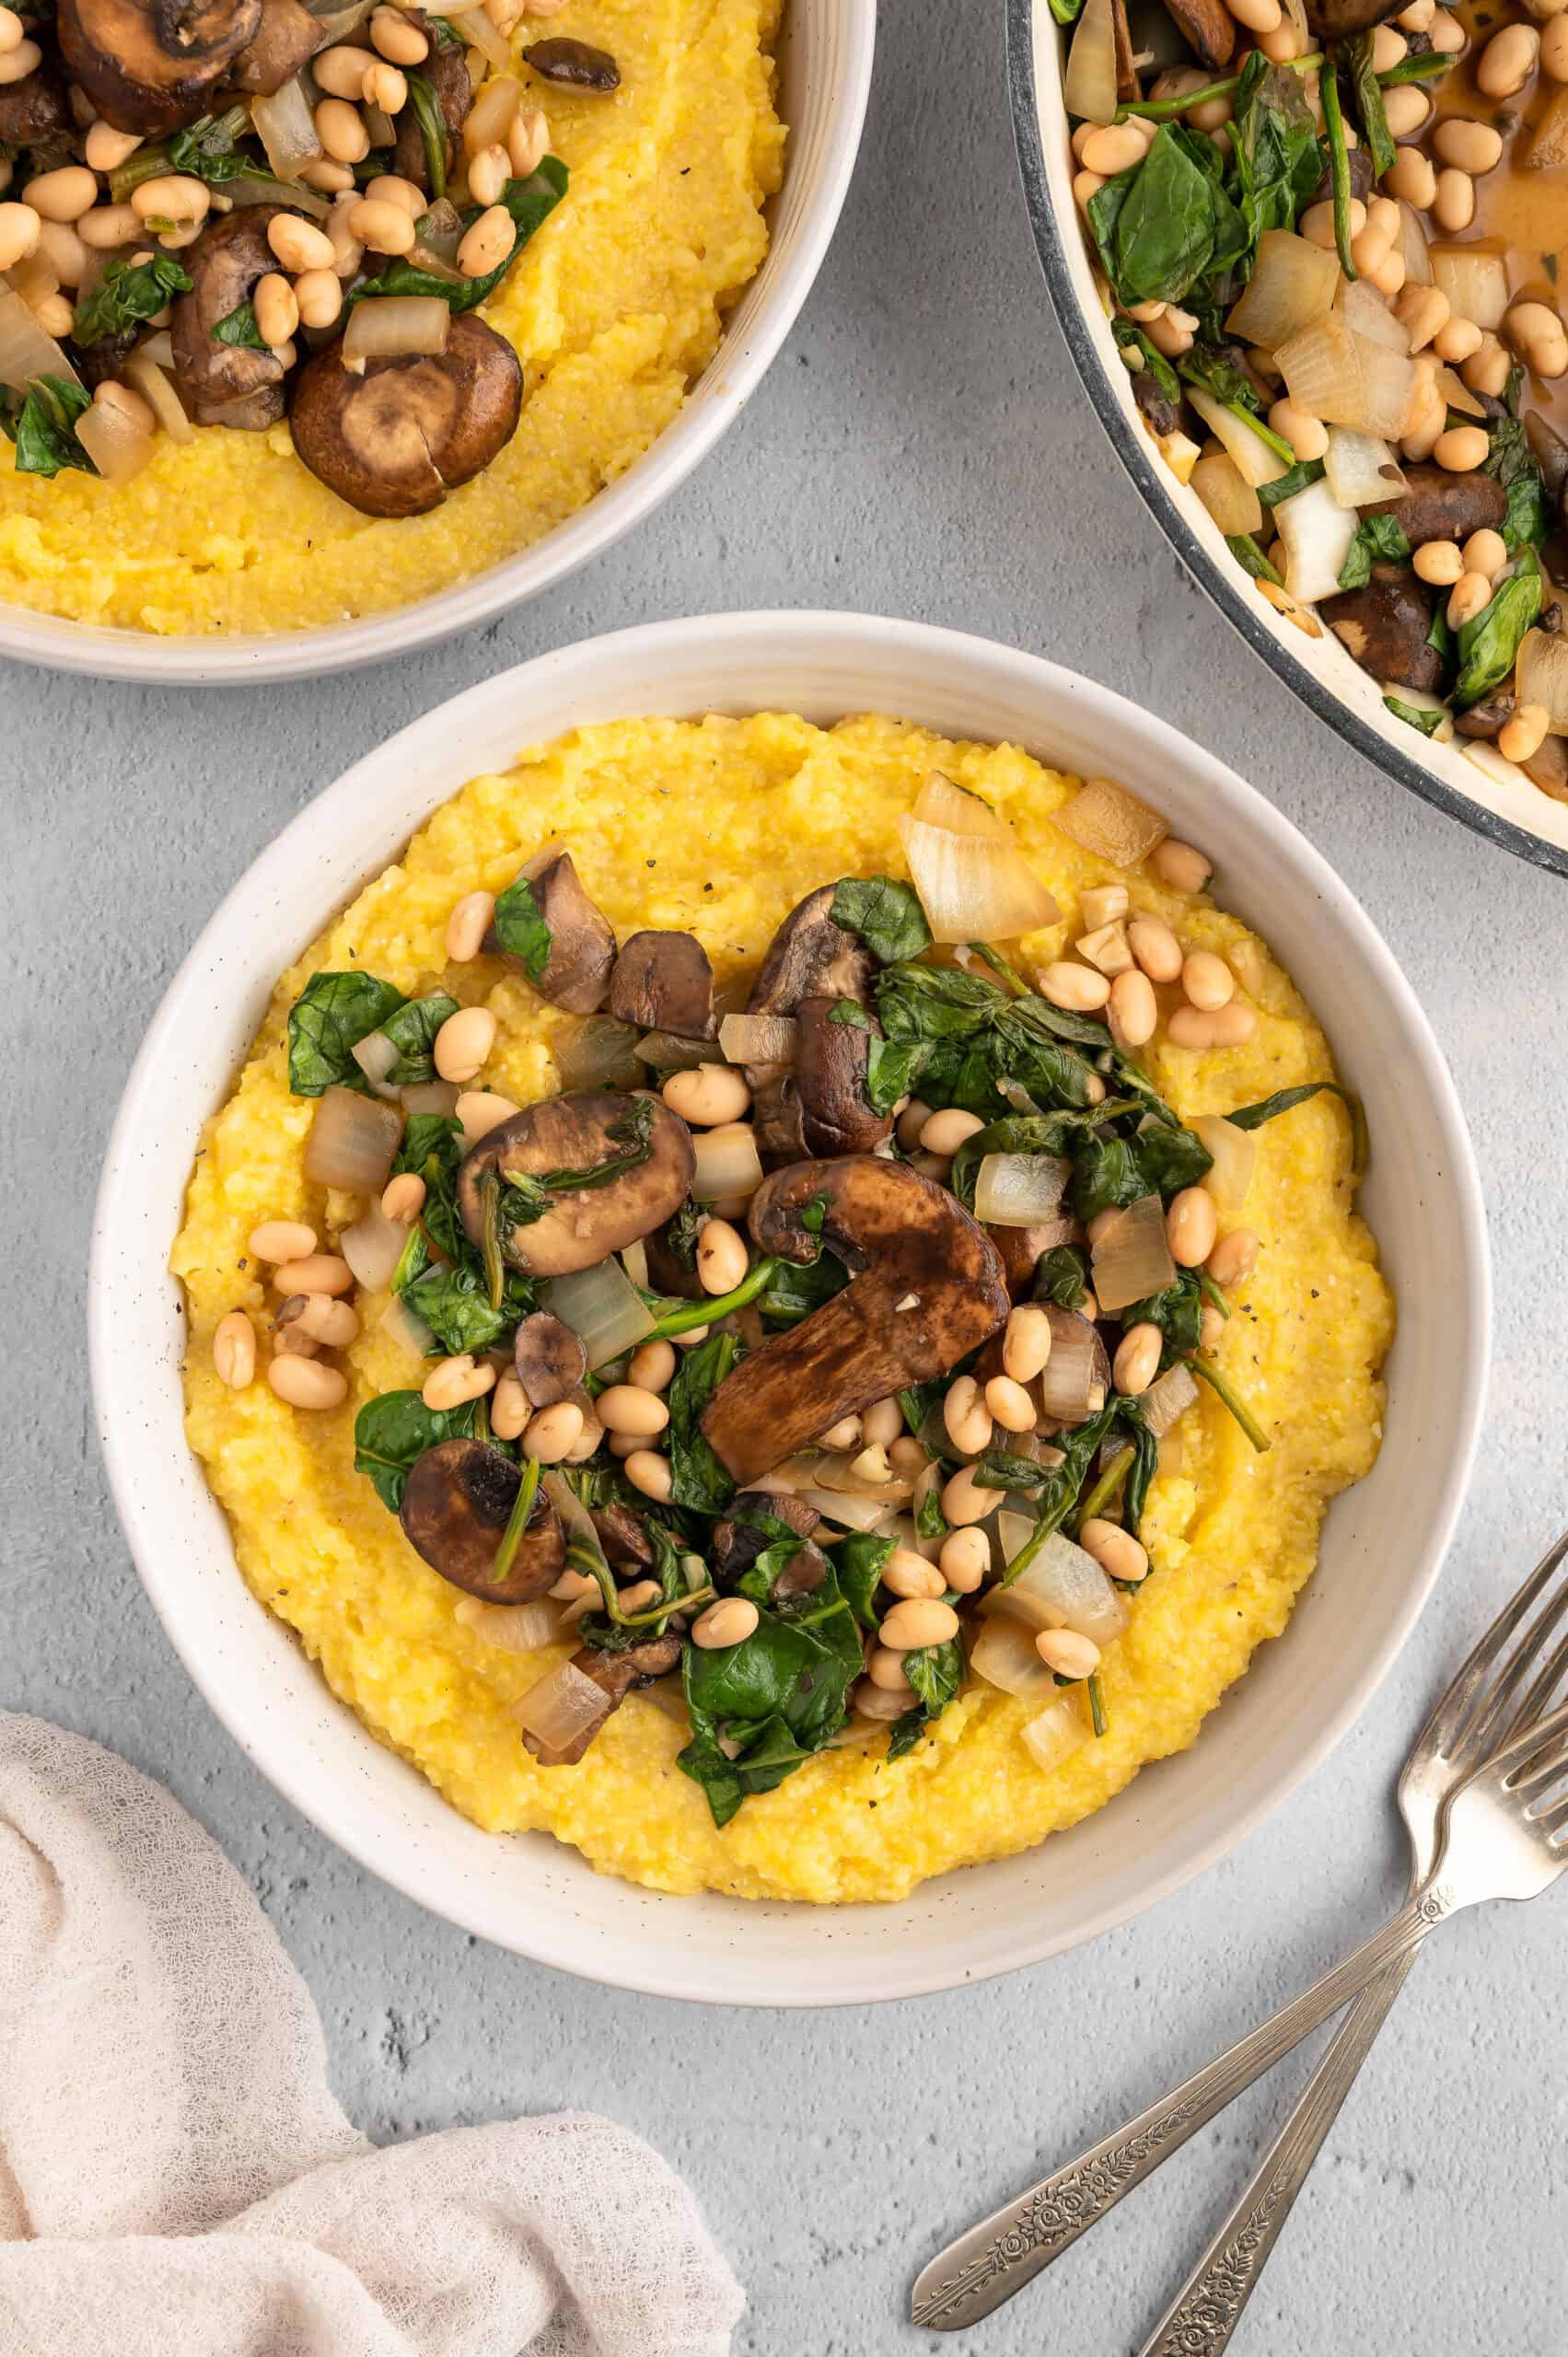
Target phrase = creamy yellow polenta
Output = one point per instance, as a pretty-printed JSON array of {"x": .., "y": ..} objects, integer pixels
[
  {"x": 615, "y": 307},
  {"x": 717, "y": 828}
]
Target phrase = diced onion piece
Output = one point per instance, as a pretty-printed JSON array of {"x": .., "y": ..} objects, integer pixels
[
  {"x": 1167, "y": 1399},
  {"x": 1131, "y": 1258},
  {"x": 795, "y": 1473},
  {"x": 1346, "y": 379},
  {"x": 396, "y": 325},
  {"x": 842, "y": 1506},
  {"x": 1542, "y": 677},
  {"x": 373, "y": 1246},
  {"x": 1062, "y": 1588},
  {"x": 1362, "y": 308},
  {"x": 1412, "y": 249},
  {"x": 409, "y": 1333},
  {"x": 1235, "y": 1152},
  {"x": 1457, "y": 395},
  {"x": 475, "y": 28},
  {"x": 1292, "y": 283},
  {"x": 286, "y": 129},
  {"x": 1058, "y": 1732},
  {"x": 1474, "y": 280},
  {"x": 1229, "y": 498},
  {"x": 602, "y": 1306},
  {"x": 158, "y": 348},
  {"x": 634, "y": 1260},
  {"x": 1004, "y": 1654},
  {"x": 1360, "y": 468},
  {"x": 1181, "y": 453},
  {"x": 562, "y": 1708},
  {"x": 25, "y": 351},
  {"x": 1491, "y": 764},
  {"x": 1076, "y": 1371},
  {"x": 333, "y": 24},
  {"x": 1112, "y": 823},
  {"x": 757, "y": 1038},
  {"x": 516, "y": 1628},
  {"x": 1316, "y": 532},
  {"x": 940, "y": 803},
  {"x": 1012, "y": 1531},
  {"x": 726, "y": 1163},
  {"x": 432, "y": 1097},
  {"x": 376, "y": 1055},
  {"x": 143, "y": 373},
  {"x": 251, "y": 189},
  {"x": 836, "y": 1473},
  {"x": 666, "y": 1052},
  {"x": 1254, "y": 460},
  {"x": 1088, "y": 87},
  {"x": 441, "y": 230},
  {"x": 353, "y": 1141},
  {"x": 118, "y": 446},
  {"x": 598, "y": 1054},
  {"x": 973, "y": 888},
  {"x": 1018, "y": 1190}
]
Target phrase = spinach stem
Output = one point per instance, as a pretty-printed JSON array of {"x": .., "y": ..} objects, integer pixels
[
  {"x": 705, "y": 1313},
  {"x": 495, "y": 1273},
  {"x": 1171, "y": 110},
  {"x": 1105, "y": 1489},
  {"x": 998, "y": 965},
  {"x": 1265, "y": 433},
  {"x": 1232, "y": 1400},
  {"x": 1212, "y": 1294},
  {"x": 528, "y": 1489},
  {"x": 1096, "y": 1704},
  {"x": 1339, "y": 166}
]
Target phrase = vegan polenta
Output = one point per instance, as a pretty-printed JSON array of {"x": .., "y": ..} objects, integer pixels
[
  {"x": 618, "y": 220},
  {"x": 890, "y": 1664}
]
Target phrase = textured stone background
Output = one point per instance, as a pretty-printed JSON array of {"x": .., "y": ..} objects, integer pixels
[{"x": 922, "y": 447}]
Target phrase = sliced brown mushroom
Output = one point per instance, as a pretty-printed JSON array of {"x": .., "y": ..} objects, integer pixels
[
  {"x": 1127, "y": 84},
  {"x": 585, "y": 1224},
  {"x": 663, "y": 983},
  {"x": 622, "y": 1534},
  {"x": 738, "y": 1537},
  {"x": 929, "y": 1289},
  {"x": 153, "y": 65},
  {"x": 397, "y": 438},
  {"x": 550, "y": 1359},
  {"x": 1021, "y": 1246},
  {"x": 574, "y": 65},
  {"x": 831, "y": 1060},
  {"x": 97, "y": 362},
  {"x": 666, "y": 1274},
  {"x": 455, "y": 1510},
  {"x": 1436, "y": 505},
  {"x": 1548, "y": 768},
  {"x": 1163, "y": 414},
  {"x": 616, "y": 1676},
  {"x": 1210, "y": 29},
  {"x": 288, "y": 38},
  {"x": 446, "y": 70},
  {"x": 802, "y": 1575},
  {"x": 226, "y": 383},
  {"x": 576, "y": 974},
  {"x": 810, "y": 956},
  {"x": 34, "y": 110},
  {"x": 778, "y": 1122},
  {"x": 1385, "y": 627},
  {"x": 1488, "y": 719},
  {"x": 1342, "y": 20}
]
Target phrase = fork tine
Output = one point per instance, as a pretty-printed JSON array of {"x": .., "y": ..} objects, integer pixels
[
  {"x": 1453, "y": 1712},
  {"x": 1550, "y": 1820},
  {"x": 1526, "y": 1746},
  {"x": 1537, "y": 1699},
  {"x": 1500, "y": 1709},
  {"x": 1542, "y": 1767}
]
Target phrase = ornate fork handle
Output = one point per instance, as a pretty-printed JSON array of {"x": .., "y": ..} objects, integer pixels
[
  {"x": 997, "y": 2258},
  {"x": 1206, "y": 2311}
]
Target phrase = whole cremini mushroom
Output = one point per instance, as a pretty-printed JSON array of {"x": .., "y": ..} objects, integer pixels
[
  {"x": 396, "y": 438},
  {"x": 1437, "y": 506},
  {"x": 550, "y": 1359},
  {"x": 577, "y": 971},
  {"x": 832, "y": 1062},
  {"x": 152, "y": 66},
  {"x": 929, "y": 1289},
  {"x": 288, "y": 38},
  {"x": 227, "y": 384},
  {"x": 663, "y": 981},
  {"x": 455, "y": 1510},
  {"x": 573, "y": 1135},
  {"x": 1386, "y": 626}
]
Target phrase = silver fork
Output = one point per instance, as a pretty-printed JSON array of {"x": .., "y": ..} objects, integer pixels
[{"x": 1479, "y": 1720}]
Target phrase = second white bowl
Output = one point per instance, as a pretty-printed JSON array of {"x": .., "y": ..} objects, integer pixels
[{"x": 1383, "y": 1541}]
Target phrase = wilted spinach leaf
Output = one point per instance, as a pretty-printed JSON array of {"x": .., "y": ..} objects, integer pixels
[
  {"x": 326, "y": 1023},
  {"x": 454, "y": 1301},
  {"x": 935, "y": 1672},
  {"x": 1062, "y": 1276},
  {"x": 239, "y": 327},
  {"x": 530, "y": 203},
  {"x": 885, "y": 913},
  {"x": 521, "y": 929},
  {"x": 44, "y": 427},
  {"x": 778, "y": 1697},
  {"x": 392, "y": 1432},
  {"x": 128, "y": 292},
  {"x": 697, "y": 1478},
  {"x": 412, "y": 1031},
  {"x": 1379, "y": 539},
  {"x": 1489, "y": 643}
]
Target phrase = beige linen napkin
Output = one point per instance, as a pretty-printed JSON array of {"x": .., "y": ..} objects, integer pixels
[{"x": 176, "y": 2181}]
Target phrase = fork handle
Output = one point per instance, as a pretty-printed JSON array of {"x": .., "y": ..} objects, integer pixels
[
  {"x": 1206, "y": 2311},
  {"x": 997, "y": 2258}
]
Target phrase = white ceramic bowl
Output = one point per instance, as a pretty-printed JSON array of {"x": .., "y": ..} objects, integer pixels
[
  {"x": 1508, "y": 809},
  {"x": 824, "y": 78},
  {"x": 1384, "y": 1541}
]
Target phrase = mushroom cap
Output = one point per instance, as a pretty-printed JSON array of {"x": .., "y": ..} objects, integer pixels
[
  {"x": 624, "y": 1537},
  {"x": 831, "y": 1061},
  {"x": 616, "y": 1675},
  {"x": 588, "y": 1224},
  {"x": 550, "y": 1359},
  {"x": 35, "y": 108},
  {"x": 288, "y": 38},
  {"x": 1436, "y": 505},
  {"x": 395, "y": 440},
  {"x": 1342, "y": 20},
  {"x": 574, "y": 65},
  {"x": 225, "y": 264},
  {"x": 1385, "y": 625},
  {"x": 1210, "y": 28},
  {"x": 778, "y": 1121},
  {"x": 931, "y": 1290},
  {"x": 810, "y": 956},
  {"x": 663, "y": 981},
  {"x": 446, "y": 71},
  {"x": 152, "y": 65},
  {"x": 735, "y": 1544},
  {"x": 455, "y": 1507},
  {"x": 576, "y": 974}
]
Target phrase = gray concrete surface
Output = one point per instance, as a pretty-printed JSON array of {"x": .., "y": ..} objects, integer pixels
[{"x": 922, "y": 447}]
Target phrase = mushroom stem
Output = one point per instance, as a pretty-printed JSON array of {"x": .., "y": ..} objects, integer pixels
[{"x": 512, "y": 1536}]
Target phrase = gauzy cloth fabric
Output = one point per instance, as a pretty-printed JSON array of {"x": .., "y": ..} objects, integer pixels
[{"x": 176, "y": 2181}]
